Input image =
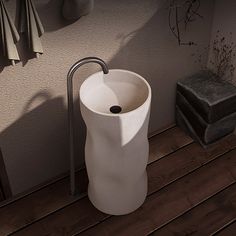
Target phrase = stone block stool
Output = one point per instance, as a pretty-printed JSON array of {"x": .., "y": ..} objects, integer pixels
[{"x": 206, "y": 107}]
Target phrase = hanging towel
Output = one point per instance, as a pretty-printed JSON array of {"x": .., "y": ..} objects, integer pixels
[
  {"x": 9, "y": 35},
  {"x": 30, "y": 24}
]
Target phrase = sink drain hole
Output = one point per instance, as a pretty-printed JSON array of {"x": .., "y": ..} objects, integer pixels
[{"x": 115, "y": 109}]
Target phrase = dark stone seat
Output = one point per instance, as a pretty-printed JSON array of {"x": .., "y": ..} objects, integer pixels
[
  {"x": 206, "y": 107},
  {"x": 205, "y": 133},
  {"x": 212, "y": 98}
]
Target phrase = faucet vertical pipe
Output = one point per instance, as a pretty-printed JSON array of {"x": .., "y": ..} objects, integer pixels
[{"x": 70, "y": 75}]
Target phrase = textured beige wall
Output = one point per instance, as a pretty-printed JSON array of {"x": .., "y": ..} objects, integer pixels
[{"x": 128, "y": 34}]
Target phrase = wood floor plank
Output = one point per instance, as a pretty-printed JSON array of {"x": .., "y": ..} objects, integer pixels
[
  {"x": 168, "y": 142},
  {"x": 179, "y": 196},
  {"x": 37, "y": 204},
  {"x": 169, "y": 204},
  {"x": 172, "y": 201},
  {"x": 185, "y": 161},
  {"x": 228, "y": 231},
  {"x": 55, "y": 196},
  {"x": 205, "y": 219}
]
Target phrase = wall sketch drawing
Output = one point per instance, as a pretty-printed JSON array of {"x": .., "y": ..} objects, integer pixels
[
  {"x": 9, "y": 35},
  {"x": 30, "y": 24}
]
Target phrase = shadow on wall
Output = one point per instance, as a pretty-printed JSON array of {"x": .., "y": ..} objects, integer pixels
[
  {"x": 153, "y": 52},
  {"x": 50, "y": 12},
  {"x": 3, "y": 61},
  {"x": 35, "y": 147}
]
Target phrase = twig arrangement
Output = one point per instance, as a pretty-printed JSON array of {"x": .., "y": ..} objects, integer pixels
[{"x": 182, "y": 12}]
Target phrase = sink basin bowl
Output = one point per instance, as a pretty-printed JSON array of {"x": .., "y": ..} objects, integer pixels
[
  {"x": 124, "y": 88},
  {"x": 116, "y": 108}
]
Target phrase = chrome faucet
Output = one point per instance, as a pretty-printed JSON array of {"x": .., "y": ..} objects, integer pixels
[{"x": 70, "y": 75}]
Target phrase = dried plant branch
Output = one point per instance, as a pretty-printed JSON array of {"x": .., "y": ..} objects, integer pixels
[
  {"x": 177, "y": 25},
  {"x": 190, "y": 12}
]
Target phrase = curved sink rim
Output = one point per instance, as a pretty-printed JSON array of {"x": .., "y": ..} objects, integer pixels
[{"x": 117, "y": 114}]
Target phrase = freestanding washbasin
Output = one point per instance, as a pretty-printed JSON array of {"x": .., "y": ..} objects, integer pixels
[{"x": 116, "y": 108}]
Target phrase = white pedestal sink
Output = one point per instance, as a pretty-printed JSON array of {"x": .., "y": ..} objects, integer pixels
[{"x": 116, "y": 152}]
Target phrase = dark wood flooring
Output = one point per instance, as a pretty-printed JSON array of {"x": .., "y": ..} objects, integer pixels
[{"x": 192, "y": 191}]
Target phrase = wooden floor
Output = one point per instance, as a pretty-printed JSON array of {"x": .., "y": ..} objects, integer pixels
[{"x": 192, "y": 191}]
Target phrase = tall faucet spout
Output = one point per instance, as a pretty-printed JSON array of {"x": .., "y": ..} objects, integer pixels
[{"x": 70, "y": 75}]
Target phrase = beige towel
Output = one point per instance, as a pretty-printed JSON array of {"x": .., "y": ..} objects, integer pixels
[
  {"x": 9, "y": 35},
  {"x": 31, "y": 24}
]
